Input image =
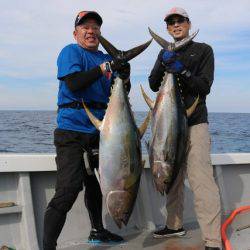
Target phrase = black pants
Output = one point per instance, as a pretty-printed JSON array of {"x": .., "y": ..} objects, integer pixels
[{"x": 71, "y": 175}]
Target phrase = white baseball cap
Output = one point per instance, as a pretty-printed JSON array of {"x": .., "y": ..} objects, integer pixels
[{"x": 176, "y": 11}]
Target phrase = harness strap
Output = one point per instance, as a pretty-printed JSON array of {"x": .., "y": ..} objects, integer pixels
[{"x": 78, "y": 105}]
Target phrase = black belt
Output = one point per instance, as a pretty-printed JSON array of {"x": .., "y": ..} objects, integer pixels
[{"x": 78, "y": 105}]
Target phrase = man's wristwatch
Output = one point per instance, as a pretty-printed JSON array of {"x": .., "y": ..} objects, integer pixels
[
  {"x": 186, "y": 73},
  {"x": 107, "y": 67}
]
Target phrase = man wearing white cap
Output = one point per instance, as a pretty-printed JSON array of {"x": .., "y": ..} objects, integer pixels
[{"x": 193, "y": 67}]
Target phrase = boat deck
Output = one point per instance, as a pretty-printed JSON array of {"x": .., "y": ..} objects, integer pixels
[
  {"x": 144, "y": 240},
  {"x": 191, "y": 241}
]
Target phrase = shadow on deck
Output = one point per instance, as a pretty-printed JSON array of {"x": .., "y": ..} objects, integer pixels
[{"x": 144, "y": 240}]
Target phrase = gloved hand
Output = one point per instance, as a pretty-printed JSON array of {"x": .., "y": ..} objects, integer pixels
[
  {"x": 172, "y": 65},
  {"x": 175, "y": 66},
  {"x": 123, "y": 69},
  {"x": 168, "y": 56}
]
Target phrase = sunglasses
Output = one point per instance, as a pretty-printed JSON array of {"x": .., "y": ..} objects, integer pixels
[{"x": 179, "y": 20}]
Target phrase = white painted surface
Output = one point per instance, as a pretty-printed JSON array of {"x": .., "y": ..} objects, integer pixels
[
  {"x": 46, "y": 162},
  {"x": 29, "y": 181},
  {"x": 11, "y": 210},
  {"x": 28, "y": 232},
  {"x": 27, "y": 162}
]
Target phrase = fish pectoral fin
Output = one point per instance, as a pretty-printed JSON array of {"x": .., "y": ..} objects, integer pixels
[
  {"x": 143, "y": 163},
  {"x": 190, "y": 110},
  {"x": 97, "y": 174},
  {"x": 147, "y": 99},
  {"x": 144, "y": 125},
  {"x": 97, "y": 123},
  {"x": 130, "y": 181}
]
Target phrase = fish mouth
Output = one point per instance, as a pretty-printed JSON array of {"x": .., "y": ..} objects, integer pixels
[
  {"x": 162, "y": 176},
  {"x": 120, "y": 204}
]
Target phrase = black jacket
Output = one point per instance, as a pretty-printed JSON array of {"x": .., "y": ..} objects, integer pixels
[{"x": 197, "y": 58}]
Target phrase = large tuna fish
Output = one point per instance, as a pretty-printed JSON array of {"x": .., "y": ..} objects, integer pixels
[
  {"x": 168, "y": 146},
  {"x": 120, "y": 158}
]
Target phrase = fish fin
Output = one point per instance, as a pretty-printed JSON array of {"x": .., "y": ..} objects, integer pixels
[
  {"x": 188, "y": 148},
  {"x": 183, "y": 42},
  {"x": 110, "y": 48},
  {"x": 143, "y": 163},
  {"x": 147, "y": 145},
  {"x": 172, "y": 46},
  {"x": 144, "y": 125},
  {"x": 147, "y": 99},
  {"x": 130, "y": 54},
  {"x": 119, "y": 206},
  {"x": 130, "y": 182},
  {"x": 190, "y": 110},
  {"x": 122, "y": 56},
  {"x": 162, "y": 42},
  {"x": 97, "y": 123},
  {"x": 97, "y": 175}
]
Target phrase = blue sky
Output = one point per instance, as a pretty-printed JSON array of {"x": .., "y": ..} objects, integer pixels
[{"x": 33, "y": 33}]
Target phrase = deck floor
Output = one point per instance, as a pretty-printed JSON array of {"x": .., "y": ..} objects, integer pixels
[
  {"x": 240, "y": 240},
  {"x": 144, "y": 240}
]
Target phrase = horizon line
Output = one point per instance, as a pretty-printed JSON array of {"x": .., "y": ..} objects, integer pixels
[{"x": 55, "y": 110}]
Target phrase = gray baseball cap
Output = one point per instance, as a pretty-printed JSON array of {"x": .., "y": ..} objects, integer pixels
[{"x": 176, "y": 11}]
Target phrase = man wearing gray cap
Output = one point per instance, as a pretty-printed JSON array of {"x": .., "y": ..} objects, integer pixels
[{"x": 193, "y": 68}]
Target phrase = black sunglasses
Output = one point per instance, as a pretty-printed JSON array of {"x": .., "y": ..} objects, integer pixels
[{"x": 178, "y": 20}]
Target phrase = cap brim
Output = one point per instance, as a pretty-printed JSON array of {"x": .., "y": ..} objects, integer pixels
[
  {"x": 93, "y": 15},
  {"x": 172, "y": 14}
]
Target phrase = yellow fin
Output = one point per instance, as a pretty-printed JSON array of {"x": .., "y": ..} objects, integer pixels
[
  {"x": 97, "y": 123},
  {"x": 144, "y": 125},
  {"x": 148, "y": 100},
  {"x": 130, "y": 181},
  {"x": 143, "y": 163},
  {"x": 193, "y": 107}
]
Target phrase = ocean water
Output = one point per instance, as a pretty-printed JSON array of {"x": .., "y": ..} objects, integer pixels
[{"x": 32, "y": 131}]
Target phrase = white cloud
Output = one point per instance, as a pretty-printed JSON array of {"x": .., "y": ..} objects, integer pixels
[{"x": 33, "y": 33}]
